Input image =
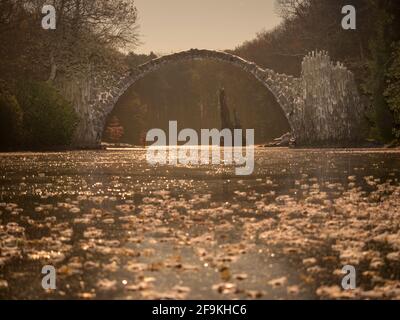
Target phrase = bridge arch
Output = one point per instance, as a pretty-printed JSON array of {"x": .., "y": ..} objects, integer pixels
[
  {"x": 279, "y": 85},
  {"x": 322, "y": 106}
]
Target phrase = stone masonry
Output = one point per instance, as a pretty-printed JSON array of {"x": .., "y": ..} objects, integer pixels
[{"x": 322, "y": 106}]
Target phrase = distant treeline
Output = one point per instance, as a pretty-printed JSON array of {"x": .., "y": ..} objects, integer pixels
[{"x": 372, "y": 51}]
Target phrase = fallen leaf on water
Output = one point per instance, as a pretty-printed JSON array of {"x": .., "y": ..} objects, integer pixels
[
  {"x": 107, "y": 285},
  {"x": 224, "y": 273},
  {"x": 3, "y": 284},
  {"x": 240, "y": 276},
  {"x": 225, "y": 288},
  {"x": 293, "y": 290},
  {"x": 278, "y": 282},
  {"x": 86, "y": 295}
]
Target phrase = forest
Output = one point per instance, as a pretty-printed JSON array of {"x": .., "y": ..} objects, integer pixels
[{"x": 39, "y": 68}]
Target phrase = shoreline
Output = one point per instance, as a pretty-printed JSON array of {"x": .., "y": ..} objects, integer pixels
[{"x": 257, "y": 147}]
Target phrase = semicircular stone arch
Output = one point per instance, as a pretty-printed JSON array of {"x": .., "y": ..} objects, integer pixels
[{"x": 317, "y": 105}]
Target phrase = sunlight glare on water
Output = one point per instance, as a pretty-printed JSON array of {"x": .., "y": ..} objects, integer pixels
[{"x": 116, "y": 227}]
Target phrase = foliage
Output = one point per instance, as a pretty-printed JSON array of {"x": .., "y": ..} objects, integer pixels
[
  {"x": 89, "y": 38},
  {"x": 392, "y": 92},
  {"x": 92, "y": 36},
  {"x": 49, "y": 120},
  {"x": 313, "y": 24},
  {"x": 86, "y": 32},
  {"x": 11, "y": 118},
  {"x": 132, "y": 113},
  {"x": 114, "y": 130},
  {"x": 380, "y": 45}
]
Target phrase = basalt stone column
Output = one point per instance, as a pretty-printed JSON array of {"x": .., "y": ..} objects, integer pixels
[
  {"x": 329, "y": 109},
  {"x": 79, "y": 90},
  {"x": 93, "y": 96}
]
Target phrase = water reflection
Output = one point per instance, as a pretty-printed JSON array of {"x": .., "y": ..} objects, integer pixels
[{"x": 116, "y": 227}]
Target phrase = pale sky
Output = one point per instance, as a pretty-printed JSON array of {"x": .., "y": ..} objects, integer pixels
[{"x": 175, "y": 25}]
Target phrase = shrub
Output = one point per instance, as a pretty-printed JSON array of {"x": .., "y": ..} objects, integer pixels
[
  {"x": 49, "y": 120},
  {"x": 10, "y": 120},
  {"x": 392, "y": 92}
]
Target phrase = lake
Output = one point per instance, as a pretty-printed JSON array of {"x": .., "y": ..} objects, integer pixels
[{"x": 115, "y": 227}]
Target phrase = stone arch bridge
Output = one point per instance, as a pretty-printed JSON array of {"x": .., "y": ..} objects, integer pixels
[{"x": 322, "y": 106}]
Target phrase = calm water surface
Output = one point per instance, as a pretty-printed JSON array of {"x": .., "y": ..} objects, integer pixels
[{"x": 115, "y": 227}]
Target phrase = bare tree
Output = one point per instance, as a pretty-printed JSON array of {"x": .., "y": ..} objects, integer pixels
[
  {"x": 87, "y": 32},
  {"x": 290, "y": 8}
]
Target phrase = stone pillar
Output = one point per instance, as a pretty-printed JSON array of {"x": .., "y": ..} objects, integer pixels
[
  {"x": 329, "y": 111},
  {"x": 78, "y": 90}
]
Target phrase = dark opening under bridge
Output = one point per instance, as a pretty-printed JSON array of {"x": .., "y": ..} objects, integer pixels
[{"x": 322, "y": 106}]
